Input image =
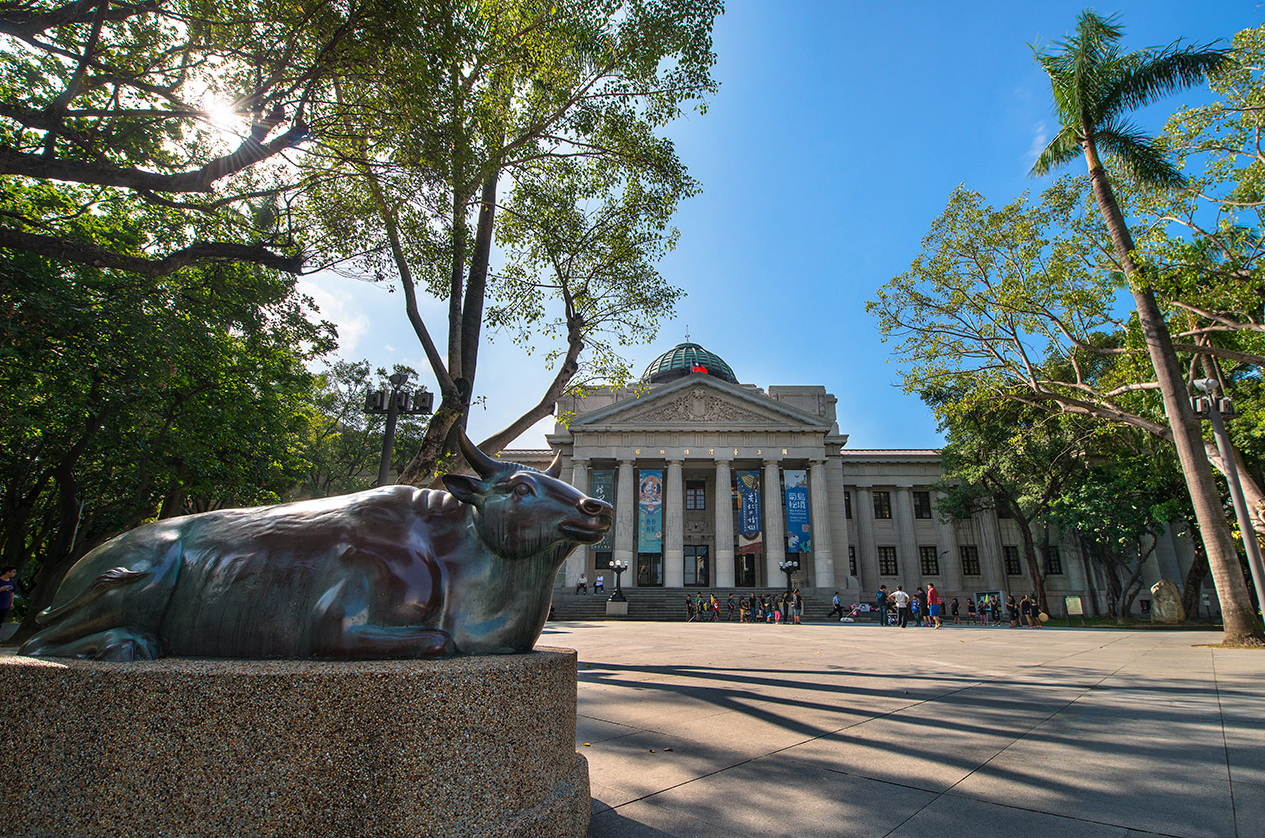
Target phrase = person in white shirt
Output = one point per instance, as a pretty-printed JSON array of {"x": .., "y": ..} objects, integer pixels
[{"x": 902, "y": 606}]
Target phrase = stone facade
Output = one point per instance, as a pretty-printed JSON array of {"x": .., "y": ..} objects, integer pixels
[{"x": 872, "y": 512}]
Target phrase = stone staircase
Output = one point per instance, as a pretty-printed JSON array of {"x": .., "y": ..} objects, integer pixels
[{"x": 668, "y": 605}]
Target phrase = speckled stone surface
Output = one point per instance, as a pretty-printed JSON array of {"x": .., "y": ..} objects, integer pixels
[{"x": 479, "y": 746}]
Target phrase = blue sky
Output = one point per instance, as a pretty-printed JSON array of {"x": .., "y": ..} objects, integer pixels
[{"x": 838, "y": 133}]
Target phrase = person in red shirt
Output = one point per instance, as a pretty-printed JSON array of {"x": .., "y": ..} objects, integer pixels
[{"x": 934, "y": 604}]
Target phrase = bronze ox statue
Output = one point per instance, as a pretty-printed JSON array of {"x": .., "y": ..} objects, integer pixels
[{"x": 393, "y": 572}]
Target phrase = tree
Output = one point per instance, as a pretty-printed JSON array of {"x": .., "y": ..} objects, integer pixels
[
  {"x": 344, "y": 446},
  {"x": 1094, "y": 86},
  {"x": 1012, "y": 458},
  {"x": 1119, "y": 508},
  {"x": 129, "y": 398},
  {"x": 499, "y": 89},
  {"x": 179, "y": 113}
]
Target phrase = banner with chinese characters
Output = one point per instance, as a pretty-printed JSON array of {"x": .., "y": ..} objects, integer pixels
[
  {"x": 602, "y": 487},
  {"x": 799, "y": 532},
  {"x": 750, "y": 530},
  {"x": 650, "y": 507}
]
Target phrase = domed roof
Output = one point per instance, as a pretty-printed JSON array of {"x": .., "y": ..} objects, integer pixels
[{"x": 686, "y": 359}]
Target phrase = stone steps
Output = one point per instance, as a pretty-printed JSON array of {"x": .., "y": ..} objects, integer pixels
[{"x": 668, "y": 604}]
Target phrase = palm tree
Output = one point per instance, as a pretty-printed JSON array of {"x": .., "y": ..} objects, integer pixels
[{"x": 1094, "y": 87}]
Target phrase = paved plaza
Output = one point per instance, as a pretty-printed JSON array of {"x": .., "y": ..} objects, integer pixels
[{"x": 856, "y": 730}]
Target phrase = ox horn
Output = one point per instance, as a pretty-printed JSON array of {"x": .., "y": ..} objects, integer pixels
[
  {"x": 482, "y": 463},
  {"x": 555, "y": 468}
]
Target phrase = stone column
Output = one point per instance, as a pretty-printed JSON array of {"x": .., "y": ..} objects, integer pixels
[
  {"x": 906, "y": 541},
  {"x": 950, "y": 558},
  {"x": 867, "y": 553},
  {"x": 774, "y": 524},
  {"x": 625, "y": 521},
  {"x": 724, "y": 549},
  {"x": 674, "y": 528},
  {"x": 992, "y": 568},
  {"x": 839, "y": 522},
  {"x": 823, "y": 556},
  {"x": 578, "y": 562}
]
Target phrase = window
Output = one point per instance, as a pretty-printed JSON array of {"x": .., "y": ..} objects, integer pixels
[
  {"x": 602, "y": 560},
  {"x": 1053, "y": 562},
  {"x": 922, "y": 504},
  {"x": 929, "y": 558},
  {"x": 970, "y": 560},
  {"x": 887, "y": 561},
  {"x": 847, "y": 504},
  {"x": 852, "y": 560},
  {"x": 695, "y": 495},
  {"x": 882, "y": 504},
  {"x": 697, "y": 567},
  {"x": 1010, "y": 553}
]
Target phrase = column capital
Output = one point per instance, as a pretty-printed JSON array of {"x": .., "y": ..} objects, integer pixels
[
  {"x": 675, "y": 461},
  {"x": 626, "y": 461}
]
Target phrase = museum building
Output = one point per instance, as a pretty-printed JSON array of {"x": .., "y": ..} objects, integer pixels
[{"x": 719, "y": 484}]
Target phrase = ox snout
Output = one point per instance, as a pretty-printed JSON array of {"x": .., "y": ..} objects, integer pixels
[
  {"x": 595, "y": 507},
  {"x": 593, "y": 527}
]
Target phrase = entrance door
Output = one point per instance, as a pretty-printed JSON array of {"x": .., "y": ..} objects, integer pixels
[
  {"x": 649, "y": 570},
  {"x": 744, "y": 571},
  {"x": 697, "y": 566}
]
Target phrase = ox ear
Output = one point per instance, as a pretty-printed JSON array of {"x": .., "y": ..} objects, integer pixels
[{"x": 465, "y": 488}]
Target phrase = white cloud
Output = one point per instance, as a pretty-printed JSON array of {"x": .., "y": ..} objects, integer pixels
[
  {"x": 341, "y": 309},
  {"x": 1040, "y": 139}
]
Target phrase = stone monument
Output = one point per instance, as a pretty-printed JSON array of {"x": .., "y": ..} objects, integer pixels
[
  {"x": 250, "y": 671},
  {"x": 1166, "y": 603}
]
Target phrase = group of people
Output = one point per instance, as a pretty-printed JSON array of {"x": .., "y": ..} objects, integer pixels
[
  {"x": 906, "y": 605},
  {"x": 582, "y": 584},
  {"x": 899, "y": 607},
  {"x": 787, "y": 609}
]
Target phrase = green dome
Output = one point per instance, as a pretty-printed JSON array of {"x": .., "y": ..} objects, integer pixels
[{"x": 686, "y": 359}]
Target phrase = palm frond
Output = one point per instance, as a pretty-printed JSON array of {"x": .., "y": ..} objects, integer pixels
[
  {"x": 1064, "y": 148},
  {"x": 1155, "y": 75},
  {"x": 1143, "y": 162}
]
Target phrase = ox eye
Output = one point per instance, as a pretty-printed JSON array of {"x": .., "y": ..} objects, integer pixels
[{"x": 522, "y": 489}]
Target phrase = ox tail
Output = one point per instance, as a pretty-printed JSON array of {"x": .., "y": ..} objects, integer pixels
[{"x": 113, "y": 578}]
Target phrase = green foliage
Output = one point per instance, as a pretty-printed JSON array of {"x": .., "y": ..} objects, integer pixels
[
  {"x": 344, "y": 444},
  {"x": 127, "y": 398}
]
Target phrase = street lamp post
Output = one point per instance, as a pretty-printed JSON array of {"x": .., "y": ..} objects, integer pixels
[
  {"x": 619, "y": 567},
  {"x": 789, "y": 567},
  {"x": 394, "y": 403},
  {"x": 1215, "y": 410}
]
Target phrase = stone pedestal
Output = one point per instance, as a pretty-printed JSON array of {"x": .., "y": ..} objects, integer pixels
[
  {"x": 617, "y": 609},
  {"x": 481, "y": 746}
]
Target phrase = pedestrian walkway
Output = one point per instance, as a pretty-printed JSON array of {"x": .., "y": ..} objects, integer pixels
[{"x": 857, "y": 730}]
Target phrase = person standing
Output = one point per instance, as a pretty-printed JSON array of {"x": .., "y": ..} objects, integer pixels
[
  {"x": 901, "y": 600},
  {"x": 797, "y": 603},
  {"x": 970, "y": 611},
  {"x": 934, "y": 604},
  {"x": 8, "y": 587},
  {"x": 1012, "y": 609},
  {"x": 689, "y": 609},
  {"x": 835, "y": 607},
  {"x": 953, "y": 609},
  {"x": 729, "y": 617},
  {"x": 881, "y": 603}
]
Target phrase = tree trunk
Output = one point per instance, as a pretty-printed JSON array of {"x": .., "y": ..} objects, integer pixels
[
  {"x": 1240, "y": 624},
  {"x": 1030, "y": 553}
]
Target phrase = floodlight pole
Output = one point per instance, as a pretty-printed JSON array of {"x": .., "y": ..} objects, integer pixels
[{"x": 1211, "y": 408}]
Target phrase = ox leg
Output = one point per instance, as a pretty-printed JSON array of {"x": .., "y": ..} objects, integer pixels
[
  {"x": 367, "y": 642},
  {"x": 116, "y": 644}
]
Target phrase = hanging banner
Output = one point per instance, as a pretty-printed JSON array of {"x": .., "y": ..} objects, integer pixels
[
  {"x": 650, "y": 505},
  {"x": 603, "y": 488},
  {"x": 799, "y": 532},
  {"x": 750, "y": 530}
]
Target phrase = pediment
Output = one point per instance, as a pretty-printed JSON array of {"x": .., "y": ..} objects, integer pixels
[{"x": 700, "y": 401}]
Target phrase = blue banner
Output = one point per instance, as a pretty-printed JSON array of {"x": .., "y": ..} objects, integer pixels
[
  {"x": 750, "y": 527},
  {"x": 799, "y": 532},
  {"x": 603, "y": 488},
  {"x": 650, "y": 505}
]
